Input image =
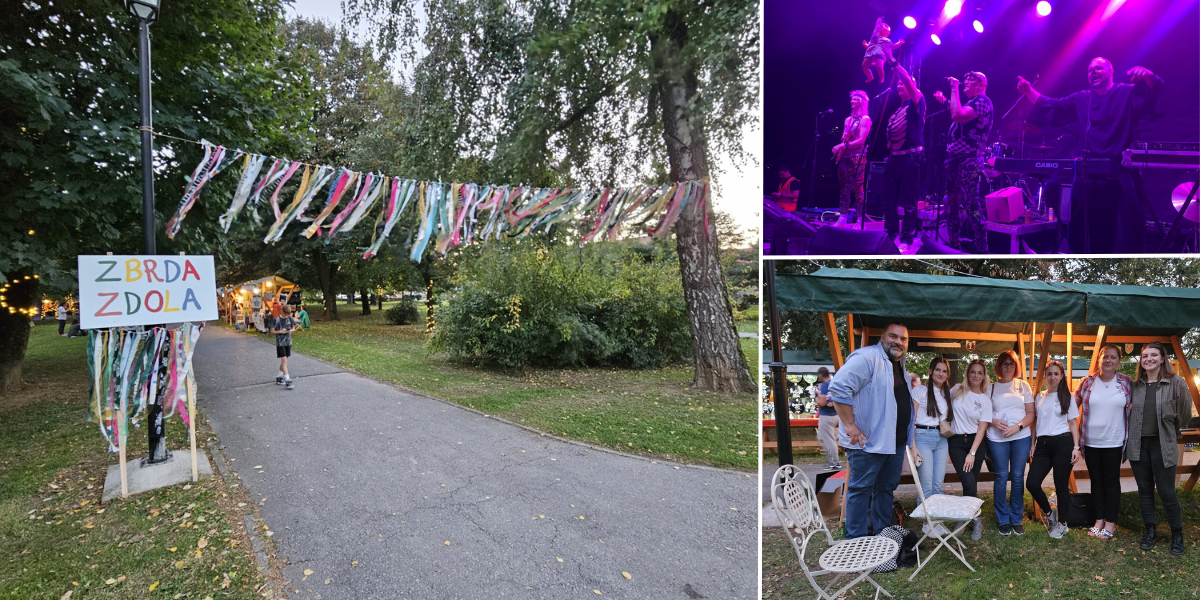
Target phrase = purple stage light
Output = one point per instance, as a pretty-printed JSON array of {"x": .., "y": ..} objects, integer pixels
[
  {"x": 936, "y": 40},
  {"x": 978, "y": 26},
  {"x": 952, "y": 8},
  {"x": 1043, "y": 8},
  {"x": 910, "y": 22}
]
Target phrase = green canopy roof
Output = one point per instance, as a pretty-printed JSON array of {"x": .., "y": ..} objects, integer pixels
[{"x": 979, "y": 304}]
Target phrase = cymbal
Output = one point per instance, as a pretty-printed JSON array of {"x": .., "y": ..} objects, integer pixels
[
  {"x": 1016, "y": 127},
  {"x": 1040, "y": 147},
  {"x": 1179, "y": 194}
]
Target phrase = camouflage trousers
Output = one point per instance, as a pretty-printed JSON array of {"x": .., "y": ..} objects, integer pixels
[
  {"x": 851, "y": 170},
  {"x": 966, "y": 204}
]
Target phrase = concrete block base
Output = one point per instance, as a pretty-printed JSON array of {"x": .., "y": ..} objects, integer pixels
[{"x": 175, "y": 471}]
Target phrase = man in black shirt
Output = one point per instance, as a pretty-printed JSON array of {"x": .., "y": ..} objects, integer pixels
[
  {"x": 902, "y": 173},
  {"x": 1105, "y": 215}
]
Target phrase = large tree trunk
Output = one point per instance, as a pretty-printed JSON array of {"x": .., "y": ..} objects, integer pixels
[
  {"x": 327, "y": 274},
  {"x": 14, "y": 330},
  {"x": 718, "y": 359},
  {"x": 366, "y": 302},
  {"x": 379, "y": 298}
]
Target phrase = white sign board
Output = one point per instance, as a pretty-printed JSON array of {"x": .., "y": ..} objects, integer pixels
[{"x": 123, "y": 290}]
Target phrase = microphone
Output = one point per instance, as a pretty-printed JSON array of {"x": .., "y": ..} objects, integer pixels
[{"x": 825, "y": 112}]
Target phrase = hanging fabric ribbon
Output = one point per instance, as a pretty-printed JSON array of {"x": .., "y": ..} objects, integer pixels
[
  {"x": 430, "y": 202},
  {"x": 254, "y": 164},
  {"x": 371, "y": 186},
  {"x": 300, "y": 203},
  {"x": 405, "y": 190},
  {"x": 215, "y": 160},
  {"x": 335, "y": 195}
]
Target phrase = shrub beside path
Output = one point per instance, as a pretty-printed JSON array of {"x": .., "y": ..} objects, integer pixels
[{"x": 386, "y": 494}]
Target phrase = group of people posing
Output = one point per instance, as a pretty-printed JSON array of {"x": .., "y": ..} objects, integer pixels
[
  {"x": 1110, "y": 418},
  {"x": 1108, "y": 113}
]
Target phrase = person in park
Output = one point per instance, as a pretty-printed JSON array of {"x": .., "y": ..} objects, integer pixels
[
  {"x": 283, "y": 326},
  {"x": 1105, "y": 399},
  {"x": 1056, "y": 444},
  {"x": 873, "y": 399},
  {"x": 63, "y": 313},
  {"x": 305, "y": 322},
  {"x": 1161, "y": 406},
  {"x": 970, "y": 419},
  {"x": 827, "y": 421},
  {"x": 931, "y": 404},
  {"x": 1009, "y": 441}
]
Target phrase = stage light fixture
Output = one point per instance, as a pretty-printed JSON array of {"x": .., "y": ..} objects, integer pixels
[
  {"x": 952, "y": 8},
  {"x": 910, "y": 22},
  {"x": 978, "y": 26},
  {"x": 936, "y": 40},
  {"x": 1043, "y": 8}
]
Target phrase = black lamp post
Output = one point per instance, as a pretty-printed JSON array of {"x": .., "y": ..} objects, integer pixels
[{"x": 146, "y": 12}]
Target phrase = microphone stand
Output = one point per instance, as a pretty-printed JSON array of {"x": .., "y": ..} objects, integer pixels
[{"x": 812, "y": 180}]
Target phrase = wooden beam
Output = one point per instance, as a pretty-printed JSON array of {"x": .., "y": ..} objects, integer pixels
[
  {"x": 1070, "y": 358},
  {"x": 1041, "y": 372},
  {"x": 1094, "y": 365},
  {"x": 1021, "y": 349},
  {"x": 850, "y": 332},
  {"x": 866, "y": 337},
  {"x": 835, "y": 349},
  {"x": 1185, "y": 371}
]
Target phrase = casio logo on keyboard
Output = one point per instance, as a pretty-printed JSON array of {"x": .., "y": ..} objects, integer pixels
[{"x": 1046, "y": 165}]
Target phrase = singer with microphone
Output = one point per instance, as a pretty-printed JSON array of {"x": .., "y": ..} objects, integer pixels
[
  {"x": 971, "y": 124},
  {"x": 1110, "y": 221},
  {"x": 902, "y": 172},
  {"x": 851, "y": 158}
]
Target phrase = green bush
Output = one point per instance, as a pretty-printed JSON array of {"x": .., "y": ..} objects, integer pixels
[
  {"x": 403, "y": 313},
  {"x": 596, "y": 305}
]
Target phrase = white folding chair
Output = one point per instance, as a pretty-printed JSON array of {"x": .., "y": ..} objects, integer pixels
[
  {"x": 940, "y": 508},
  {"x": 795, "y": 503}
]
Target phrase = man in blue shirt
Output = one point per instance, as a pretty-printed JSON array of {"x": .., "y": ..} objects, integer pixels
[
  {"x": 827, "y": 421},
  {"x": 873, "y": 398}
]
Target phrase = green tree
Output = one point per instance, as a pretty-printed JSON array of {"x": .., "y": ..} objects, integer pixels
[
  {"x": 68, "y": 143},
  {"x": 549, "y": 93}
]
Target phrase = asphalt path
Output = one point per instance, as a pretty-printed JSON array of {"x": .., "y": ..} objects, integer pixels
[{"x": 390, "y": 494}]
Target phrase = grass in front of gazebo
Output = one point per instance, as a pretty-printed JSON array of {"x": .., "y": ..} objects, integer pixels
[{"x": 1029, "y": 566}]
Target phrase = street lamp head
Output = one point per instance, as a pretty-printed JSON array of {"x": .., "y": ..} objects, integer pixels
[{"x": 146, "y": 10}]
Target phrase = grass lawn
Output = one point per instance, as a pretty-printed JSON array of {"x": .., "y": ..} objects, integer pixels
[
  {"x": 55, "y": 536},
  {"x": 1030, "y": 566},
  {"x": 651, "y": 412}
]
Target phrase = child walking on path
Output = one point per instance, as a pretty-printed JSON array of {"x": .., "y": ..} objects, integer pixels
[{"x": 283, "y": 326}]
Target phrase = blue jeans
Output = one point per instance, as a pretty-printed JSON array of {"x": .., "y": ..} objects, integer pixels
[
  {"x": 1009, "y": 458},
  {"x": 870, "y": 491},
  {"x": 934, "y": 450}
]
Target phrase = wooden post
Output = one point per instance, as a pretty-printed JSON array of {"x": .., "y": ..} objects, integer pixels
[
  {"x": 120, "y": 427},
  {"x": 835, "y": 349},
  {"x": 1095, "y": 364},
  {"x": 191, "y": 393},
  {"x": 1070, "y": 359},
  {"x": 866, "y": 337},
  {"x": 850, "y": 331},
  {"x": 1047, "y": 335},
  {"x": 1021, "y": 349},
  {"x": 1185, "y": 371}
]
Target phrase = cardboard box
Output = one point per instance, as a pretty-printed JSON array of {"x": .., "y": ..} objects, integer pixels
[
  {"x": 829, "y": 493},
  {"x": 1005, "y": 205}
]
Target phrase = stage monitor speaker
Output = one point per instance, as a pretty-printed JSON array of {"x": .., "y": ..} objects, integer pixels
[
  {"x": 1005, "y": 205},
  {"x": 783, "y": 229},
  {"x": 837, "y": 241},
  {"x": 874, "y": 192}
]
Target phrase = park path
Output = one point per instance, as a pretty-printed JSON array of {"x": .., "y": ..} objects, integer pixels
[{"x": 356, "y": 470}]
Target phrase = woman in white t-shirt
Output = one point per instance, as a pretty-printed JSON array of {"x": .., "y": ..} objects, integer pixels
[
  {"x": 1056, "y": 443},
  {"x": 1009, "y": 441},
  {"x": 1105, "y": 399},
  {"x": 930, "y": 404},
  {"x": 972, "y": 414}
]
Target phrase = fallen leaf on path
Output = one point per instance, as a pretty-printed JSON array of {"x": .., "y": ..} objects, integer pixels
[
  {"x": 173, "y": 548},
  {"x": 327, "y": 581},
  {"x": 557, "y": 558},
  {"x": 307, "y": 572},
  {"x": 626, "y": 575},
  {"x": 354, "y": 563},
  {"x": 203, "y": 543},
  {"x": 447, "y": 542},
  {"x": 153, "y": 586},
  {"x": 597, "y": 592}
]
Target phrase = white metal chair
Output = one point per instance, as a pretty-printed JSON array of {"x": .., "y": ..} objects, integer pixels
[
  {"x": 940, "y": 508},
  {"x": 795, "y": 503}
]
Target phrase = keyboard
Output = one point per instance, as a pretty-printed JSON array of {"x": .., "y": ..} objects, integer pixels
[{"x": 1051, "y": 166}]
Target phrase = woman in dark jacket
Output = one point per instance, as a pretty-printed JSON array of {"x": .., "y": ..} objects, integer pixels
[{"x": 1161, "y": 407}]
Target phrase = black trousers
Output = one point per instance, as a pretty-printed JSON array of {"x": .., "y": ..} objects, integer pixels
[
  {"x": 1149, "y": 473},
  {"x": 61, "y": 327},
  {"x": 1052, "y": 451},
  {"x": 959, "y": 447},
  {"x": 901, "y": 185},
  {"x": 1104, "y": 468},
  {"x": 1105, "y": 215}
]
